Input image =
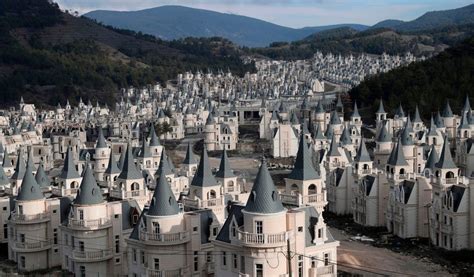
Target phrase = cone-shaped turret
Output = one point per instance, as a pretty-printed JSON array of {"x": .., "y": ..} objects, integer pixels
[
  {"x": 29, "y": 189},
  {"x": 163, "y": 202},
  {"x": 69, "y": 169},
  {"x": 224, "y": 169},
  {"x": 41, "y": 177},
  {"x": 129, "y": 170},
  {"x": 362, "y": 153},
  {"x": 303, "y": 169},
  {"x": 190, "y": 156},
  {"x": 445, "y": 158},
  {"x": 203, "y": 176},
  {"x": 89, "y": 192},
  {"x": 101, "y": 143},
  {"x": 397, "y": 158},
  {"x": 112, "y": 167}
]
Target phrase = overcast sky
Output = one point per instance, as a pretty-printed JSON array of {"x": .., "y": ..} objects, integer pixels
[{"x": 292, "y": 13}]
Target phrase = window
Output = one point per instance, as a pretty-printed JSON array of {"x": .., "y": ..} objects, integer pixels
[
  {"x": 72, "y": 242},
  {"x": 195, "y": 229},
  {"x": 300, "y": 266},
  {"x": 300, "y": 229},
  {"x": 81, "y": 215},
  {"x": 326, "y": 259},
  {"x": 4, "y": 208},
  {"x": 54, "y": 211},
  {"x": 156, "y": 227},
  {"x": 20, "y": 209},
  {"x": 81, "y": 246},
  {"x": 320, "y": 233},
  {"x": 143, "y": 257},
  {"x": 5, "y": 230},
  {"x": 55, "y": 236},
  {"x": 259, "y": 227},
  {"x": 156, "y": 263},
  {"x": 313, "y": 262},
  {"x": 22, "y": 237},
  {"x": 117, "y": 244},
  {"x": 83, "y": 271},
  {"x": 214, "y": 231},
  {"x": 196, "y": 261},
  {"x": 224, "y": 258},
  {"x": 258, "y": 270},
  {"x": 134, "y": 255},
  {"x": 242, "y": 264},
  {"x": 209, "y": 257},
  {"x": 22, "y": 262},
  {"x": 234, "y": 231},
  {"x": 234, "y": 261},
  {"x": 116, "y": 216},
  {"x": 117, "y": 260}
]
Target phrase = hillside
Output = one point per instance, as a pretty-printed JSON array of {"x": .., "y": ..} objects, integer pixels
[
  {"x": 48, "y": 56},
  {"x": 447, "y": 76},
  {"x": 174, "y": 22},
  {"x": 372, "y": 41}
]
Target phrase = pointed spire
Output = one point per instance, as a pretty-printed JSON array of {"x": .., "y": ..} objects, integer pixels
[
  {"x": 439, "y": 121},
  {"x": 381, "y": 108},
  {"x": 432, "y": 158},
  {"x": 362, "y": 153},
  {"x": 319, "y": 108},
  {"x": 7, "y": 163},
  {"x": 101, "y": 143},
  {"x": 397, "y": 158},
  {"x": 399, "y": 112},
  {"x": 355, "y": 112},
  {"x": 29, "y": 189},
  {"x": 303, "y": 168},
  {"x": 333, "y": 151},
  {"x": 432, "y": 130},
  {"x": 144, "y": 150},
  {"x": 318, "y": 134},
  {"x": 264, "y": 198},
  {"x": 20, "y": 167},
  {"x": 112, "y": 167},
  {"x": 210, "y": 119},
  {"x": 129, "y": 169},
  {"x": 154, "y": 141},
  {"x": 464, "y": 122},
  {"x": 164, "y": 164},
  {"x": 417, "y": 118},
  {"x": 384, "y": 135},
  {"x": 334, "y": 120},
  {"x": 203, "y": 176},
  {"x": 190, "y": 156},
  {"x": 447, "y": 112},
  {"x": 445, "y": 158},
  {"x": 89, "y": 192},
  {"x": 4, "y": 180},
  {"x": 41, "y": 177},
  {"x": 345, "y": 137},
  {"x": 69, "y": 169},
  {"x": 224, "y": 169},
  {"x": 163, "y": 202},
  {"x": 121, "y": 160},
  {"x": 406, "y": 139},
  {"x": 467, "y": 105}
]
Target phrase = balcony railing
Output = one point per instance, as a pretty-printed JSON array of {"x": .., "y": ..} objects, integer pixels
[
  {"x": 32, "y": 245},
  {"x": 261, "y": 240},
  {"x": 30, "y": 218},
  {"x": 127, "y": 194},
  {"x": 210, "y": 267},
  {"x": 63, "y": 191},
  {"x": 329, "y": 269},
  {"x": 90, "y": 224},
  {"x": 165, "y": 238},
  {"x": 199, "y": 204},
  {"x": 298, "y": 200},
  {"x": 91, "y": 256},
  {"x": 167, "y": 273}
]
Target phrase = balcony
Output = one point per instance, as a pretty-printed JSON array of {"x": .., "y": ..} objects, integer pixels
[
  {"x": 448, "y": 229},
  {"x": 120, "y": 194},
  {"x": 201, "y": 204},
  {"x": 31, "y": 246},
  {"x": 30, "y": 219},
  {"x": 90, "y": 224},
  {"x": 167, "y": 273},
  {"x": 325, "y": 270},
  {"x": 210, "y": 267},
  {"x": 92, "y": 256},
  {"x": 261, "y": 240},
  {"x": 63, "y": 191},
  {"x": 298, "y": 200},
  {"x": 165, "y": 238}
]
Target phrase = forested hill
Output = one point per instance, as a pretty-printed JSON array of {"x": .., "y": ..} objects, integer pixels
[
  {"x": 447, "y": 76},
  {"x": 48, "y": 56}
]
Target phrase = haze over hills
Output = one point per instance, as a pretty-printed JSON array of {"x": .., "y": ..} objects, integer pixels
[{"x": 174, "y": 22}]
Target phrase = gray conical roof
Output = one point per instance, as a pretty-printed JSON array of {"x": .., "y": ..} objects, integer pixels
[
  {"x": 318, "y": 134},
  {"x": 101, "y": 143},
  {"x": 405, "y": 136},
  {"x": 467, "y": 105},
  {"x": 445, "y": 158},
  {"x": 432, "y": 158},
  {"x": 29, "y": 189},
  {"x": 432, "y": 130},
  {"x": 439, "y": 121},
  {"x": 294, "y": 119},
  {"x": 20, "y": 167},
  {"x": 345, "y": 137},
  {"x": 334, "y": 120},
  {"x": 210, "y": 119},
  {"x": 384, "y": 135},
  {"x": 397, "y": 158},
  {"x": 121, "y": 160},
  {"x": 224, "y": 169},
  {"x": 329, "y": 132},
  {"x": 447, "y": 112},
  {"x": 417, "y": 118},
  {"x": 319, "y": 107},
  {"x": 89, "y": 192},
  {"x": 464, "y": 122},
  {"x": 399, "y": 112},
  {"x": 381, "y": 109},
  {"x": 362, "y": 153},
  {"x": 163, "y": 202},
  {"x": 69, "y": 169},
  {"x": 41, "y": 177},
  {"x": 333, "y": 151},
  {"x": 264, "y": 198},
  {"x": 6, "y": 161},
  {"x": 4, "y": 180},
  {"x": 203, "y": 176},
  {"x": 112, "y": 167},
  {"x": 303, "y": 168},
  {"x": 355, "y": 112},
  {"x": 164, "y": 164},
  {"x": 144, "y": 150},
  {"x": 129, "y": 169},
  {"x": 408, "y": 124},
  {"x": 154, "y": 140},
  {"x": 190, "y": 156}
]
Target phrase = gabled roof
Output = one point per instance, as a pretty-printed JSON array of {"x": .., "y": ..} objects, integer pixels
[
  {"x": 224, "y": 168},
  {"x": 397, "y": 158},
  {"x": 112, "y": 167},
  {"x": 445, "y": 158},
  {"x": 163, "y": 202},
  {"x": 190, "y": 156},
  {"x": 235, "y": 213},
  {"x": 303, "y": 167},
  {"x": 264, "y": 198},
  {"x": 69, "y": 169},
  {"x": 29, "y": 190},
  {"x": 362, "y": 153},
  {"x": 368, "y": 180},
  {"x": 129, "y": 169},
  {"x": 203, "y": 176},
  {"x": 89, "y": 192}
]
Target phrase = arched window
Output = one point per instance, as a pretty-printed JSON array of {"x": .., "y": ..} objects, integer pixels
[
  {"x": 312, "y": 189},
  {"x": 135, "y": 186},
  {"x": 294, "y": 189},
  {"x": 402, "y": 171},
  {"x": 211, "y": 194},
  {"x": 449, "y": 174}
]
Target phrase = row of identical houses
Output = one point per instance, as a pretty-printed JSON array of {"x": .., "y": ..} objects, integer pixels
[{"x": 118, "y": 207}]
